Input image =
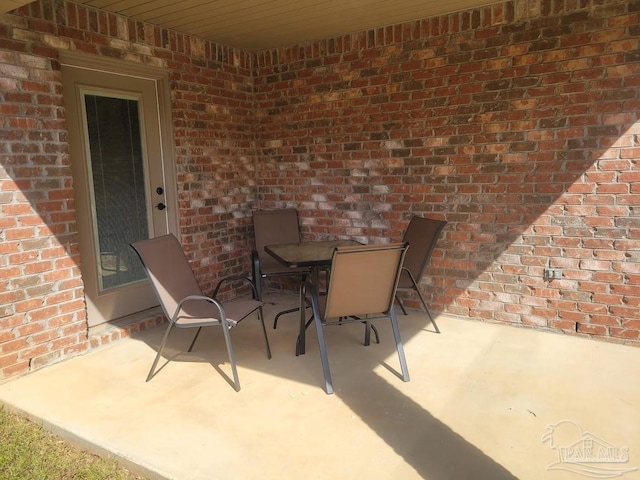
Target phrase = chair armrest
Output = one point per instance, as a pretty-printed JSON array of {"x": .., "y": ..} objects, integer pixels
[
  {"x": 235, "y": 278},
  {"x": 198, "y": 297},
  {"x": 413, "y": 280}
]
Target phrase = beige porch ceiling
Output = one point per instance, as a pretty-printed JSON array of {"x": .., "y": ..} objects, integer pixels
[{"x": 255, "y": 25}]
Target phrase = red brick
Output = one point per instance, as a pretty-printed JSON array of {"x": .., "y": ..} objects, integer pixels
[
  {"x": 625, "y": 333},
  {"x": 592, "y": 329},
  {"x": 359, "y": 136},
  {"x": 15, "y": 367},
  {"x": 14, "y": 345},
  {"x": 564, "y": 325}
]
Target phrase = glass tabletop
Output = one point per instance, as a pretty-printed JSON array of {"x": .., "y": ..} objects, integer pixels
[{"x": 307, "y": 254}]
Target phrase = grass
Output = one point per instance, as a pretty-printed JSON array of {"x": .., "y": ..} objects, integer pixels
[{"x": 29, "y": 452}]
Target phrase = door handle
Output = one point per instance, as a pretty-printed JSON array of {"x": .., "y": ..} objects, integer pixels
[{"x": 161, "y": 206}]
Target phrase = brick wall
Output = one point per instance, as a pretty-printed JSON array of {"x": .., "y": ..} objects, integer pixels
[
  {"x": 42, "y": 316},
  {"x": 42, "y": 311},
  {"x": 517, "y": 123}
]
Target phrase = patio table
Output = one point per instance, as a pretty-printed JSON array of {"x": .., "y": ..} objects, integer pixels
[{"x": 313, "y": 254}]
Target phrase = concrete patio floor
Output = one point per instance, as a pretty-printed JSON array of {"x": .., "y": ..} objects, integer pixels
[{"x": 480, "y": 400}]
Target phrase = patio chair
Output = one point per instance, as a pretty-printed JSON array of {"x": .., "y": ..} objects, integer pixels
[
  {"x": 361, "y": 288},
  {"x": 183, "y": 302},
  {"x": 274, "y": 227},
  {"x": 422, "y": 235}
]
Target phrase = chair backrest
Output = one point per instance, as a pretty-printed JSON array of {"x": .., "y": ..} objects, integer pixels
[
  {"x": 421, "y": 235},
  {"x": 363, "y": 279},
  {"x": 168, "y": 270},
  {"x": 274, "y": 227}
]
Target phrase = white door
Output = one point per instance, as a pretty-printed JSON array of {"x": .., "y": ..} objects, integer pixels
[{"x": 123, "y": 178}]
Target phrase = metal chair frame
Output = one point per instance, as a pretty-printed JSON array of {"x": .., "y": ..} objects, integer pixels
[
  {"x": 272, "y": 227},
  {"x": 184, "y": 304},
  {"x": 361, "y": 289},
  {"x": 422, "y": 235}
]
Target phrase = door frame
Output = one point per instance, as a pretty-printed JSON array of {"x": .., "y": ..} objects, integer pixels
[{"x": 160, "y": 79}]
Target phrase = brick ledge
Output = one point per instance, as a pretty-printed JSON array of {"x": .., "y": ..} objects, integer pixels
[{"x": 107, "y": 333}]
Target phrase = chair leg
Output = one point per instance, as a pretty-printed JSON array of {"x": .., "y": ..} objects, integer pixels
[
  {"x": 159, "y": 354},
  {"x": 426, "y": 309},
  {"x": 194, "y": 339},
  {"x": 264, "y": 331},
  {"x": 399, "y": 347},
  {"x": 401, "y": 304},
  {"x": 435, "y": 325},
  {"x": 232, "y": 360},
  {"x": 328, "y": 384}
]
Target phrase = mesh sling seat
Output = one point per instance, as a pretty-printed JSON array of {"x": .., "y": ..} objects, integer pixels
[
  {"x": 183, "y": 302},
  {"x": 275, "y": 227},
  {"x": 361, "y": 288},
  {"x": 421, "y": 235}
]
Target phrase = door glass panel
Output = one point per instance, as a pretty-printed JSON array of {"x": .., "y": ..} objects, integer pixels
[{"x": 118, "y": 187}]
